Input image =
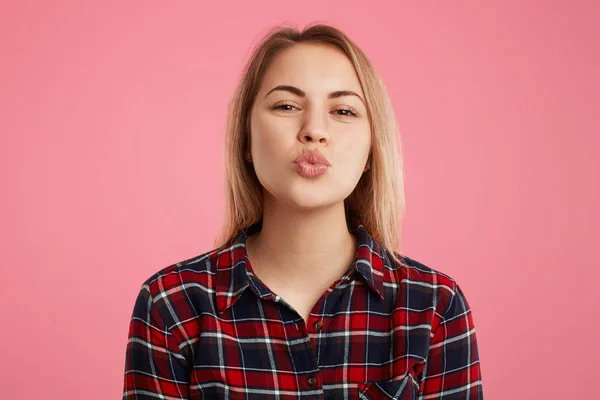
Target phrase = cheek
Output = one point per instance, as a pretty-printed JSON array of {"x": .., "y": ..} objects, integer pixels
[
  {"x": 260, "y": 138},
  {"x": 267, "y": 134},
  {"x": 273, "y": 139},
  {"x": 270, "y": 151},
  {"x": 354, "y": 153}
]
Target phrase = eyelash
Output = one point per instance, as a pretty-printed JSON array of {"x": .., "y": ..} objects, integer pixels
[{"x": 351, "y": 111}]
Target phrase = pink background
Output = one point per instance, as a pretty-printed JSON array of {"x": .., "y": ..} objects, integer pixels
[{"x": 111, "y": 121}]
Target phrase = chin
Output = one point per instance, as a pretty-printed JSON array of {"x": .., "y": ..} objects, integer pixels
[
  {"x": 307, "y": 195},
  {"x": 310, "y": 200},
  {"x": 309, "y": 204}
]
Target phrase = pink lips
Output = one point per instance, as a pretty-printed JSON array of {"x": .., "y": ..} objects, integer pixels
[{"x": 311, "y": 164}]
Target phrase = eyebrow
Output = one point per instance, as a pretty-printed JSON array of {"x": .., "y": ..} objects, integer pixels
[{"x": 300, "y": 93}]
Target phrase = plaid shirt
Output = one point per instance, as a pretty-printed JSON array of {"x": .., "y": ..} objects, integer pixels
[{"x": 208, "y": 328}]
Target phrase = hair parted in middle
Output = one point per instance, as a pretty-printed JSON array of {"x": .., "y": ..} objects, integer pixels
[{"x": 378, "y": 199}]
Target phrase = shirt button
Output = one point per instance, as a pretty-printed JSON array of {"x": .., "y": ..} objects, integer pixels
[
  {"x": 312, "y": 381},
  {"x": 318, "y": 325}
]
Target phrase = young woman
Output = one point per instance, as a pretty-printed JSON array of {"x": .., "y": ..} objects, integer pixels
[{"x": 306, "y": 294}]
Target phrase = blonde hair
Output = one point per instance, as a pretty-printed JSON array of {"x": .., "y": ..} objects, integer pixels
[{"x": 378, "y": 199}]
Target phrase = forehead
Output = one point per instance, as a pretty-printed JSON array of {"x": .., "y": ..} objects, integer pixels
[{"x": 315, "y": 68}]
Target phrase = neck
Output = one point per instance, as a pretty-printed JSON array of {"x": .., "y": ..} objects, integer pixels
[{"x": 295, "y": 244}]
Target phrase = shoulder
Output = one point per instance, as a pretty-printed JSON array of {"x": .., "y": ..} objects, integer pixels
[
  {"x": 182, "y": 290},
  {"x": 198, "y": 269},
  {"x": 172, "y": 301},
  {"x": 424, "y": 286},
  {"x": 419, "y": 273}
]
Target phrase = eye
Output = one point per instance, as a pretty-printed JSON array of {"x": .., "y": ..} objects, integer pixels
[
  {"x": 347, "y": 111},
  {"x": 284, "y": 107}
]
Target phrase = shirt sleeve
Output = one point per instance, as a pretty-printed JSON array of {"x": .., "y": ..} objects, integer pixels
[
  {"x": 452, "y": 370},
  {"x": 154, "y": 365}
]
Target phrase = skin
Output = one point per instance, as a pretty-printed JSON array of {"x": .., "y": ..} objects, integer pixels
[{"x": 304, "y": 245}]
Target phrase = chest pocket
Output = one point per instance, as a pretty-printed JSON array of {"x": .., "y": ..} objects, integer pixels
[{"x": 401, "y": 389}]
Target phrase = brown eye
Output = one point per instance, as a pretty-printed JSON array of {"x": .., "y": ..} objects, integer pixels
[
  {"x": 284, "y": 107},
  {"x": 347, "y": 112}
]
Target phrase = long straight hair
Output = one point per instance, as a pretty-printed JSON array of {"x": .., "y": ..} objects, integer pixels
[{"x": 378, "y": 198}]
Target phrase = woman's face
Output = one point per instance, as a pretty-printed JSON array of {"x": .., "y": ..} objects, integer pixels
[{"x": 286, "y": 123}]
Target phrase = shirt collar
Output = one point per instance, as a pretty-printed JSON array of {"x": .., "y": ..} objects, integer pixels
[{"x": 233, "y": 278}]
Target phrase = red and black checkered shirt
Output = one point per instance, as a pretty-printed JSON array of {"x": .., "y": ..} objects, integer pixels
[{"x": 208, "y": 328}]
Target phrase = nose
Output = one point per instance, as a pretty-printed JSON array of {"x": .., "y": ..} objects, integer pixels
[{"x": 314, "y": 128}]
